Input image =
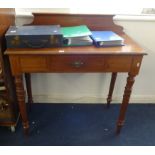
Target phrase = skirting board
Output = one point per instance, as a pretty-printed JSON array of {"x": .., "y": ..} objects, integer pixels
[{"x": 90, "y": 99}]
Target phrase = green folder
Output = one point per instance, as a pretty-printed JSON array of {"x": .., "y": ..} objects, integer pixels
[
  {"x": 76, "y": 35},
  {"x": 75, "y": 31}
]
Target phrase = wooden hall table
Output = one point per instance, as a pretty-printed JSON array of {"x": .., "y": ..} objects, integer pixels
[{"x": 86, "y": 59}]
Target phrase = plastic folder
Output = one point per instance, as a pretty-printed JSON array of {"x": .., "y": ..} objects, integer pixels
[
  {"x": 75, "y": 31},
  {"x": 76, "y": 36},
  {"x": 106, "y": 38}
]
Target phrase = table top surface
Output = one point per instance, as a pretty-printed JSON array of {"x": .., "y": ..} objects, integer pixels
[{"x": 130, "y": 48}]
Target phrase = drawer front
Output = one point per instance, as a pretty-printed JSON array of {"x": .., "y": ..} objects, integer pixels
[
  {"x": 33, "y": 63},
  {"x": 90, "y": 63},
  {"x": 118, "y": 63},
  {"x": 77, "y": 63}
]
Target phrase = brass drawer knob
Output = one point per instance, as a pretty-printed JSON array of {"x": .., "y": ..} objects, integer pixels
[{"x": 77, "y": 64}]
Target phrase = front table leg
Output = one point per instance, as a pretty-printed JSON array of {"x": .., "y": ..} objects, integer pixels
[
  {"x": 125, "y": 101},
  {"x": 21, "y": 101}
]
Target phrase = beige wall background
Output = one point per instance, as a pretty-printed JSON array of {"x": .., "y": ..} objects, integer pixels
[{"x": 93, "y": 87}]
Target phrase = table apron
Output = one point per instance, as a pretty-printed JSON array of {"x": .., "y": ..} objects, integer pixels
[{"x": 74, "y": 63}]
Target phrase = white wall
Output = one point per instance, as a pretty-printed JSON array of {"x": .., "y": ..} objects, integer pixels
[
  {"x": 143, "y": 32},
  {"x": 93, "y": 87}
]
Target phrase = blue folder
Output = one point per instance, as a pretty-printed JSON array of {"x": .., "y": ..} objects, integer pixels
[{"x": 106, "y": 38}]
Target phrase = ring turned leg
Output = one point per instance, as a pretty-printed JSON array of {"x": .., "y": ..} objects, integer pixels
[
  {"x": 112, "y": 84},
  {"x": 125, "y": 101},
  {"x": 28, "y": 87},
  {"x": 21, "y": 101}
]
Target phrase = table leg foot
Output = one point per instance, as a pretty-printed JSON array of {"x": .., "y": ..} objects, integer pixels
[
  {"x": 26, "y": 131},
  {"x": 108, "y": 102},
  {"x": 119, "y": 127}
]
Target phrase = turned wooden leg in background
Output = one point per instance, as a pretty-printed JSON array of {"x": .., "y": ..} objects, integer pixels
[
  {"x": 21, "y": 101},
  {"x": 28, "y": 87},
  {"x": 111, "y": 88},
  {"x": 125, "y": 101}
]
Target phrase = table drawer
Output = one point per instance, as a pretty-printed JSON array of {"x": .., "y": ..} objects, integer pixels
[
  {"x": 89, "y": 63},
  {"x": 33, "y": 63},
  {"x": 77, "y": 63}
]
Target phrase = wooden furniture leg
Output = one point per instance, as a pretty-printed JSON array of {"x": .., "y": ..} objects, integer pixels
[
  {"x": 28, "y": 87},
  {"x": 125, "y": 101},
  {"x": 111, "y": 88},
  {"x": 21, "y": 101}
]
